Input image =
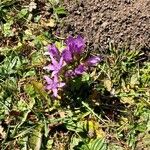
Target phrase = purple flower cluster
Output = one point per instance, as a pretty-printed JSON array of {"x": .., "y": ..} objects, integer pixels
[{"x": 67, "y": 64}]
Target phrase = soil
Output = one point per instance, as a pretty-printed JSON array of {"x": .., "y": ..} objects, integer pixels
[{"x": 122, "y": 22}]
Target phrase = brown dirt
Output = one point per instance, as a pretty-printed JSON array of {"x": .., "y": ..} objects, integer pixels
[{"x": 124, "y": 22}]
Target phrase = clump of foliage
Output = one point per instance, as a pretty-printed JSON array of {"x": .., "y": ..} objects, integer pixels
[{"x": 68, "y": 64}]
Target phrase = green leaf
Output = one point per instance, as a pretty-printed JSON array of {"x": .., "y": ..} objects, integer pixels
[
  {"x": 134, "y": 80},
  {"x": 39, "y": 88},
  {"x": 23, "y": 13},
  {"x": 85, "y": 77},
  {"x": 35, "y": 139},
  {"x": 6, "y": 3},
  {"x": 49, "y": 144},
  {"x": 74, "y": 142},
  {"x": 97, "y": 144},
  {"x": 73, "y": 126},
  {"x": 29, "y": 73},
  {"x": 37, "y": 59},
  {"x": 29, "y": 90},
  {"x": 60, "y": 11},
  {"x": 7, "y": 30}
]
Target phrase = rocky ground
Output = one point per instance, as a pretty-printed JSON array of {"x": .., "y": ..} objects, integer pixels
[{"x": 124, "y": 22}]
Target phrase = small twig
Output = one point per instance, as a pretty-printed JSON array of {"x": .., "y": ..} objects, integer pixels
[{"x": 86, "y": 105}]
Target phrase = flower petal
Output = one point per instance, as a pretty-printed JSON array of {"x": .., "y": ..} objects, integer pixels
[
  {"x": 69, "y": 40},
  {"x": 61, "y": 84},
  {"x": 48, "y": 87},
  {"x": 76, "y": 45},
  {"x": 53, "y": 51},
  {"x": 80, "y": 70},
  {"x": 55, "y": 92},
  {"x": 54, "y": 73},
  {"x": 51, "y": 67},
  {"x": 55, "y": 79},
  {"x": 79, "y": 44},
  {"x": 48, "y": 80},
  {"x": 93, "y": 60},
  {"x": 67, "y": 55},
  {"x": 54, "y": 62},
  {"x": 61, "y": 62}
]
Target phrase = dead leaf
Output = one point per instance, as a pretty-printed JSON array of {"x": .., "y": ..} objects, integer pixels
[
  {"x": 32, "y": 6},
  {"x": 2, "y": 133},
  {"x": 108, "y": 84}
]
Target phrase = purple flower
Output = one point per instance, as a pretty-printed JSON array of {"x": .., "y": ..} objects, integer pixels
[
  {"x": 53, "y": 85},
  {"x": 76, "y": 45},
  {"x": 93, "y": 60},
  {"x": 53, "y": 51},
  {"x": 80, "y": 70},
  {"x": 67, "y": 55},
  {"x": 55, "y": 67},
  {"x": 79, "y": 44},
  {"x": 70, "y": 41}
]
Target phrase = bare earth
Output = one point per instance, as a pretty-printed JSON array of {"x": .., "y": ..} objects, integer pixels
[{"x": 123, "y": 22}]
